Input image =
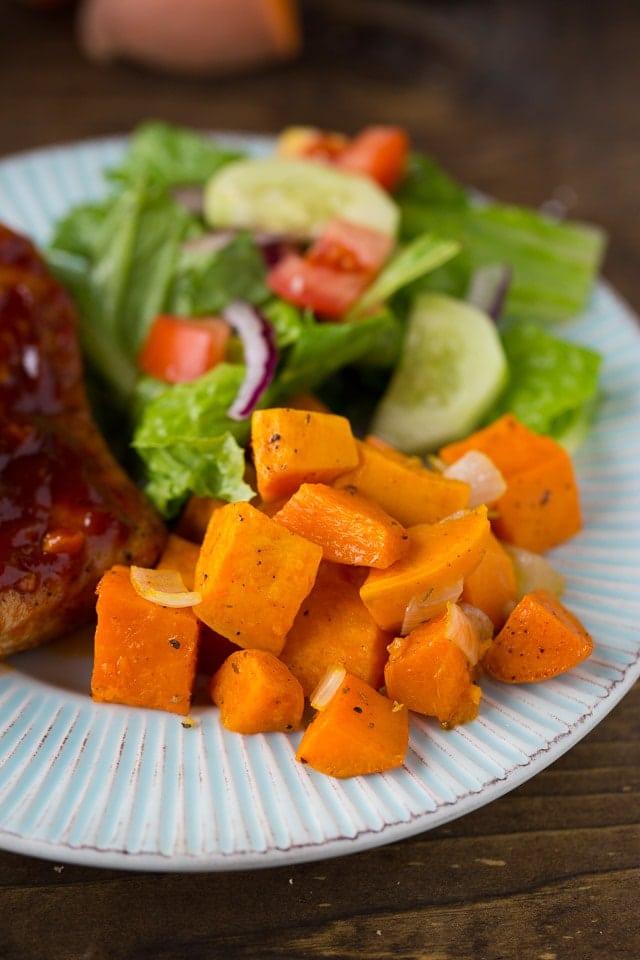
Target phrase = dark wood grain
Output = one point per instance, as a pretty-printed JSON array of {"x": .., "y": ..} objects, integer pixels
[{"x": 529, "y": 101}]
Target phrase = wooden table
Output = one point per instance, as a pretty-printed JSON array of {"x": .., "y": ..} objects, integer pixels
[{"x": 530, "y": 101}]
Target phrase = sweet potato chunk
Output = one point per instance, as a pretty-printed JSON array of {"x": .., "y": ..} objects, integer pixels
[
  {"x": 181, "y": 555},
  {"x": 404, "y": 487},
  {"x": 253, "y": 575},
  {"x": 333, "y": 626},
  {"x": 438, "y": 555},
  {"x": 431, "y": 674},
  {"x": 350, "y": 529},
  {"x": 541, "y": 506},
  {"x": 144, "y": 654},
  {"x": 359, "y": 731},
  {"x": 540, "y": 639},
  {"x": 492, "y": 585},
  {"x": 196, "y": 513},
  {"x": 257, "y": 693},
  {"x": 291, "y": 447}
]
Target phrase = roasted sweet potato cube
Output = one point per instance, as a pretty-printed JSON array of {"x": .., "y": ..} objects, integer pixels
[
  {"x": 431, "y": 674},
  {"x": 405, "y": 488},
  {"x": 291, "y": 447},
  {"x": 181, "y": 555},
  {"x": 360, "y": 731},
  {"x": 257, "y": 693},
  {"x": 144, "y": 654},
  {"x": 492, "y": 585},
  {"x": 252, "y": 575},
  {"x": 540, "y": 639},
  {"x": 541, "y": 505},
  {"x": 350, "y": 528},
  {"x": 194, "y": 518},
  {"x": 438, "y": 555},
  {"x": 334, "y": 626}
]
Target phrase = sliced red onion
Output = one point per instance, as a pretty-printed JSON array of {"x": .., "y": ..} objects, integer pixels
[
  {"x": 275, "y": 246},
  {"x": 190, "y": 197},
  {"x": 260, "y": 355},
  {"x": 488, "y": 288}
]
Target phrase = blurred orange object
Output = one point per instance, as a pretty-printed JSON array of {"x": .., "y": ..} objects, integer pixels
[{"x": 193, "y": 36}]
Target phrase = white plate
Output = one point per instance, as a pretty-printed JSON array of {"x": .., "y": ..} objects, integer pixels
[{"x": 120, "y": 787}]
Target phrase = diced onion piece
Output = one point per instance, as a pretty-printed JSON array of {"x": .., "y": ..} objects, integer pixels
[
  {"x": 462, "y": 631},
  {"x": 260, "y": 355},
  {"x": 428, "y": 605},
  {"x": 164, "y": 587},
  {"x": 480, "y": 472},
  {"x": 482, "y": 623},
  {"x": 534, "y": 572},
  {"x": 327, "y": 687}
]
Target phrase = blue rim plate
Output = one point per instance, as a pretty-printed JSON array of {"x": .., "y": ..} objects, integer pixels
[{"x": 130, "y": 788}]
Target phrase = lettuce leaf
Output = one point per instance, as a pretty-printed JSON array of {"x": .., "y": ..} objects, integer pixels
[
  {"x": 205, "y": 282},
  {"x": 188, "y": 444},
  {"x": 410, "y": 262},
  {"x": 167, "y": 155},
  {"x": 323, "y": 348},
  {"x": 554, "y": 262},
  {"x": 427, "y": 185},
  {"x": 553, "y": 384},
  {"x": 125, "y": 261}
]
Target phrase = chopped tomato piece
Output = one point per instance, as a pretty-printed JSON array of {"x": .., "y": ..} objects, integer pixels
[
  {"x": 324, "y": 289},
  {"x": 351, "y": 247},
  {"x": 181, "y": 349},
  {"x": 378, "y": 152},
  {"x": 336, "y": 269},
  {"x": 311, "y": 143}
]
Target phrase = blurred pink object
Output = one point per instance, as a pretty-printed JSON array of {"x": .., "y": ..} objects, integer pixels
[{"x": 190, "y": 36}]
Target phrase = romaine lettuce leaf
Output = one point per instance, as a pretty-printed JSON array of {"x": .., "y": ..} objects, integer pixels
[
  {"x": 125, "y": 261},
  {"x": 554, "y": 262},
  {"x": 189, "y": 445},
  {"x": 118, "y": 259},
  {"x": 323, "y": 348},
  {"x": 553, "y": 384},
  {"x": 205, "y": 282},
  {"x": 410, "y": 262},
  {"x": 427, "y": 185},
  {"x": 167, "y": 155}
]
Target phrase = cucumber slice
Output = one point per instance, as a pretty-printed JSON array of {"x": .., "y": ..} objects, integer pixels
[
  {"x": 451, "y": 371},
  {"x": 294, "y": 196}
]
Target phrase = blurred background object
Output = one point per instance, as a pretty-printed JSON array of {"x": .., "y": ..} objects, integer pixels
[
  {"x": 190, "y": 36},
  {"x": 193, "y": 36},
  {"x": 534, "y": 102}
]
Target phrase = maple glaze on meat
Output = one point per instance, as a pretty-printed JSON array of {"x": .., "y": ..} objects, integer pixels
[{"x": 67, "y": 510}]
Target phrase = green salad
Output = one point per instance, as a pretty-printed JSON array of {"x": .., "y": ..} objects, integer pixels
[{"x": 408, "y": 304}]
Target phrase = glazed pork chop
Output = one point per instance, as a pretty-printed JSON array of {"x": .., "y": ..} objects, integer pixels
[{"x": 67, "y": 510}]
